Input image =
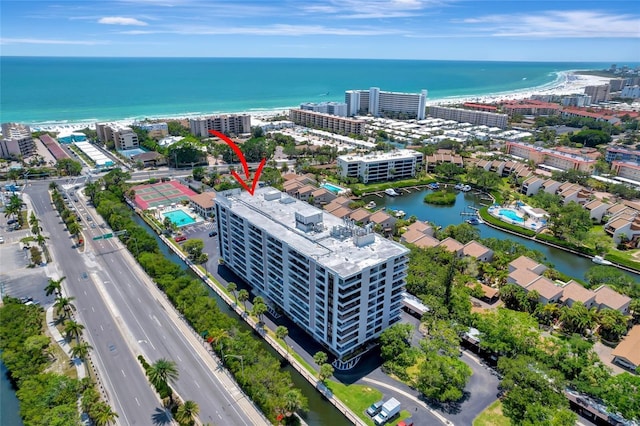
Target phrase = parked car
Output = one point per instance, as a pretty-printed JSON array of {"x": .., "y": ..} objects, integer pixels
[
  {"x": 375, "y": 408},
  {"x": 213, "y": 233},
  {"x": 180, "y": 238},
  {"x": 406, "y": 422},
  {"x": 12, "y": 221}
]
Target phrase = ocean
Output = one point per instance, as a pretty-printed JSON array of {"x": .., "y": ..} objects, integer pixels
[{"x": 42, "y": 90}]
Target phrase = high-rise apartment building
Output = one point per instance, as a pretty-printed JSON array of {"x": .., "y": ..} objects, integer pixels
[
  {"x": 377, "y": 166},
  {"x": 339, "y": 282},
  {"x": 378, "y": 103},
  {"x": 479, "y": 118},
  {"x": 598, "y": 93},
  {"x": 16, "y": 141},
  {"x": 123, "y": 137},
  {"x": 232, "y": 124}
]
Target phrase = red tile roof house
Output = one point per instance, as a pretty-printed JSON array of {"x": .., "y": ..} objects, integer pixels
[
  {"x": 608, "y": 298},
  {"x": 360, "y": 216},
  {"x": 527, "y": 263},
  {"x": 477, "y": 251},
  {"x": 451, "y": 245},
  {"x": 547, "y": 290},
  {"x": 627, "y": 353},
  {"x": 386, "y": 221},
  {"x": 423, "y": 227},
  {"x": 573, "y": 292},
  {"x": 322, "y": 196},
  {"x": 596, "y": 209},
  {"x": 426, "y": 242},
  {"x": 305, "y": 192}
]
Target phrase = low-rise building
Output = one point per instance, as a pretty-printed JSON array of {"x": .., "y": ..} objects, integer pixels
[
  {"x": 333, "y": 123},
  {"x": 203, "y": 204},
  {"x": 548, "y": 292},
  {"x": 597, "y": 209},
  {"x": 552, "y": 159},
  {"x": 380, "y": 166},
  {"x": 469, "y": 116},
  {"x": 627, "y": 353},
  {"x": 611, "y": 299},
  {"x": 573, "y": 292},
  {"x": 478, "y": 251}
]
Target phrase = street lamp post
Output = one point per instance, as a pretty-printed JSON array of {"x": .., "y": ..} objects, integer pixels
[{"x": 237, "y": 356}]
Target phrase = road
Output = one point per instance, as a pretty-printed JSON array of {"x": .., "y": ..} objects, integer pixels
[{"x": 147, "y": 326}]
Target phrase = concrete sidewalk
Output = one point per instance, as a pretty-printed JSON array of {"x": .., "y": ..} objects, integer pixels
[{"x": 78, "y": 363}]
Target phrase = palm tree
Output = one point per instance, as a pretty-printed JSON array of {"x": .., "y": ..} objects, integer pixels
[
  {"x": 187, "y": 413},
  {"x": 53, "y": 186},
  {"x": 232, "y": 287},
  {"x": 81, "y": 351},
  {"x": 281, "y": 333},
  {"x": 64, "y": 305},
  {"x": 218, "y": 336},
  {"x": 103, "y": 414},
  {"x": 320, "y": 357},
  {"x": 259, "y": 310},
  {"x": 14, "y": 207},
  {"x": 161, "y": 372},
  {"x": 73, "y": 329},
  {"x": 293, "y": 401},
  {"x": 54, "y": 286},
  {"x": 243, "y": 296},
  {"x": 34, "y": 223},
  {"x": 74, "y": 228}
]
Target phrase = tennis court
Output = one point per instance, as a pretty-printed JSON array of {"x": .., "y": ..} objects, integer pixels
[{"x": 161, "y": 194}]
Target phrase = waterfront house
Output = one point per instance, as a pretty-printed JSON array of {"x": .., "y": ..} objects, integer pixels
[
  {"x": 384, "y": 220},
  {"x": 531, "y": 186},
  {"x": 624, "y": 227},
  {"x": 451, "y": 245},
  {"x": 627, "y": 353},
  {"x": 596, "y": 209},
  {"x": 305, "y": 192},
  {"x": 420, "y": 226},
  {"x": 608, "y": 298},
  {"x": 524, "y": 262},
  {"x": 360, "y": 216},
  {"x": 322, "y": 196},
  {"x": 341, "y": 212},
  {"x": 547, "y": 290},
  {"x": 522, "y": 277},
  {"x": 573, "y": 292},
  {"x": 477, "y": 251},
  {"x": 426, "y": 241},
  {"x": 291, "y": 187}
]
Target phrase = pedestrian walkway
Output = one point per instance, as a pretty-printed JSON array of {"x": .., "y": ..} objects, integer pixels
[{"x": 78, "y": 363}]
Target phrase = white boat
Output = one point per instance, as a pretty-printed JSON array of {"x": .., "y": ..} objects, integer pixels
[
  {"x": 400, "y": 214},
  {"x": 600, "y": 260},
  {"x": 458, "y": 186},
  {"x": 466, "y": 188},
  {"x": 391, "y": 192},
  {"x": 372, "y": 205}
]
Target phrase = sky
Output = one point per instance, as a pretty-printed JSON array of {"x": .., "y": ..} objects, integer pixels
[{"x": 502, "y": 30}]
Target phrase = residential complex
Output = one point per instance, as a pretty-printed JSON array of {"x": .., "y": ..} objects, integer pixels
[
  {"x": 155, "y": 130},
  {"x": 333, "y": 123},
  {"x": 550, "y": 159},
  {"x": 231, "y": 124},
  {"x": 375, "y": 166},
  {"x": 16, "y": 141},
  {"x": 378, "y": 103},
  {"x": 333, "y": 108},
  {"x": 341, "y": 283},
  {"x": 122, "y": 137},
  {"x": 621, "y": 153},
  {"x": 469, "y": 116},
  {"x": 598, "y": 93}
]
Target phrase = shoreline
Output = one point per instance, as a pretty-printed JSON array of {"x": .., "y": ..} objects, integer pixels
[{"x": 566, "y": 83}]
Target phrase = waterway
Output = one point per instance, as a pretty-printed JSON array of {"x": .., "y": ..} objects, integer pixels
[
  {"x": 9, "y": 405},
  {"x": 413, "y": 205},
  {"x": 320, "y": 411}
]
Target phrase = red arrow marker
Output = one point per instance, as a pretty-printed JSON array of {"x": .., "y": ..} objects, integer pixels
[{"x": 245, "y": 166}]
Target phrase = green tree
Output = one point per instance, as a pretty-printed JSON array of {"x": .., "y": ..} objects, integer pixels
[
  {"x": 621, "y": 395},
  {"x": 243, "y": 296},
  {"x": 448, "y": 170},
  {"x": 81, "y": 351},
  {"x": 463, "y": 233},
  {"x": 281, "y": 333},
  {"x": 193, "y": 248},
  {"x": 34, "y": 223},
  {"x": 54, "y": 287},
  {"x": 74, "y": 228},
  {"x": 293, "y": 401},
  {"x": 161, "y": 373},
  {"x": 232, "y": 287},
  {"x": 326, "y": 371},
  {"x": 14, "y": 207},
  {"x": 442, "y": 378},
  {"x": 198, "y": 173},
  {"x": 577, "y": 318},
  {"x": 259, "y": 309},
  {"x": 73, "y": 330},
  {"x": 395, "y": 347},
  {"x": 612, "y": 324},
  {"x": 187, "y": 413},
  {"x": 69, "y": 167},
  {"x": 64, "y": 305},
  {"x": 320, "y": 358},
  {"x": 103, "y": 414}
]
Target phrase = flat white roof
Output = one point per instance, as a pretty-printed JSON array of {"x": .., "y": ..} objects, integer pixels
[
  {"x": 278, "y": 219},
  {"x": 381, "y": 156}
]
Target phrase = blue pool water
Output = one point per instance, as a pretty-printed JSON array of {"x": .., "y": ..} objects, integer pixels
[
  {"x": 179, "y": 217},
  {"x": 510, "y": 214},
  {"x": 332, "y": 188},
  {"x": 131, "y": 152}
]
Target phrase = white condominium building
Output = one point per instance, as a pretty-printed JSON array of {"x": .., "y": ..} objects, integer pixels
[
  {"x": 479, "y": 118},
  {"x": 333, "y": 108},
  {"x": 376, "y": 166},
  {"x": 228, "y": 124},
  {"x": 122, "y": 137},
  {"x": 16, "y": 141},
  {"x": 341, "y": 283},
  {"x": 377, "y": 103},
  {"x": 333, "y": 123}
]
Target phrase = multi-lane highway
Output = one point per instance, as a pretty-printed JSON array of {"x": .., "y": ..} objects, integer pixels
[{"x": 126, "y": 315}]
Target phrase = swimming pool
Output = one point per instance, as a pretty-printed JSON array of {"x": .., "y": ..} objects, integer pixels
[
  {"x": 333, "y": 188},
  {"x": 510, "y": 214},
  {"x": 179, "y": 217}
]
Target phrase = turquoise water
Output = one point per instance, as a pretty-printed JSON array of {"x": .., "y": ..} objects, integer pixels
[
  {"x": 179, "y": 217},
  {"x": 510, "y": 214},
  {"x": 37, "y": 90},
  {"x": 332, "y": 188}
]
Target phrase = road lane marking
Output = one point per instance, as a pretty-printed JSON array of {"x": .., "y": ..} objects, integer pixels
[
  {"x": 123, "y": 373},
  {"x": 196, "y": 383},
  {"x": 92, "y": 309},
  {"x": 101, "y": 328}
]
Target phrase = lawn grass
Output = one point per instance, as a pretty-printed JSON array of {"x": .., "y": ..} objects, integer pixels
[
  {"x": 356, "y": 397},
  {"x": 361, "y": 188},
  {"x": 492, "y": 416}
]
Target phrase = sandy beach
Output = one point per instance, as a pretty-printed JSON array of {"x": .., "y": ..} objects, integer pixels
[{"x": 567, "y": 83}]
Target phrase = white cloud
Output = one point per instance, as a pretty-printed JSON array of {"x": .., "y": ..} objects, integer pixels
[
  {"x": 49, "y": 41},
  {"x": 373, "y": 9},
  {"x": 558, "y": 24},
  {"x": 121, "y": 20},
  {"x": 284, "y": 30}
]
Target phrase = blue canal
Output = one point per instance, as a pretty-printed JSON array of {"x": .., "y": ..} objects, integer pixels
[{"x": 413, "y": 205}]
